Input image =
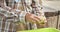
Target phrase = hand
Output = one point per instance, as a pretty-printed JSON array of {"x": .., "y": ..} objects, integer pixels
[{"x": 32, "y": 18}]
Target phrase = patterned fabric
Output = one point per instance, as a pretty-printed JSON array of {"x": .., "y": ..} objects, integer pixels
[
  {"x": 7, "y": 24},
  {"x": 22, "y": 16}
]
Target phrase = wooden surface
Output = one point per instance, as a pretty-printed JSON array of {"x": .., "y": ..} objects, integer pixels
[{"x": 51, "y": 19}]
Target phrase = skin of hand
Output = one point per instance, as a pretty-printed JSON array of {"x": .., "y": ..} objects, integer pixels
[
  {"x": 36, "y": 19},
  {"x": 32, "y": 18}
]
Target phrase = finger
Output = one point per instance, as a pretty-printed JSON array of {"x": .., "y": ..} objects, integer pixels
[
  {"x": 32, "y": 20},
  {"x": 38, "y": 17},
  {"x": 35, "y": 19}
]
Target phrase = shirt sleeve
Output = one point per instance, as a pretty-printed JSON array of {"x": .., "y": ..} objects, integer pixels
[{"x": 22, "y": 16}]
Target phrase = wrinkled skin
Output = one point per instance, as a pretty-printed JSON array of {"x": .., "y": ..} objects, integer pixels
[{"x": 32, "y": 18}]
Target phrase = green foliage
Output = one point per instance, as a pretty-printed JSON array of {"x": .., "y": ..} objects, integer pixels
[{"x": 42, "y": 30}]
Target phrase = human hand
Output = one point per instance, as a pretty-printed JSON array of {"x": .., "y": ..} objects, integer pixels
[{"x": 32, "y": 18}]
